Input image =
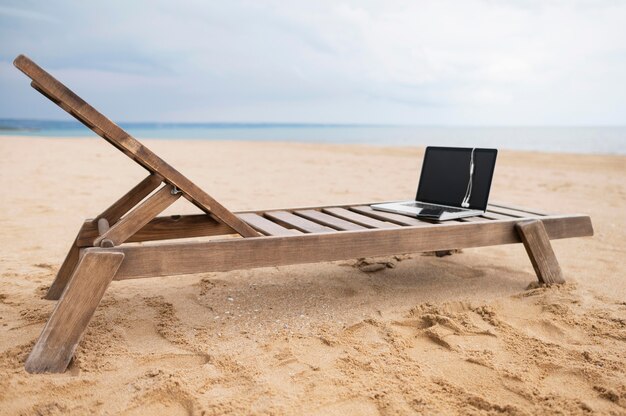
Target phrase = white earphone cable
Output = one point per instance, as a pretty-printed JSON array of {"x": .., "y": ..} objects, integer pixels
[{"x": 468, "y": 191}]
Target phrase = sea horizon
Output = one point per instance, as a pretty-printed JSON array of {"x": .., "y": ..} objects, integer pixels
[{"x": 562, "y": 139}]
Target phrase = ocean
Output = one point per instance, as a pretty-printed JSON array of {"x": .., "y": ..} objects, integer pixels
[{"x": 597, "y": 140}]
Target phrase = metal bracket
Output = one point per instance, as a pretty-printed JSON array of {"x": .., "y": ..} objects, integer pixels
[{"x": 175, "y": 190}]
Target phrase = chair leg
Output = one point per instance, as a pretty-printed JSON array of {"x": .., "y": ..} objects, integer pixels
[
  {"x": 58, "y": 340},
  {"x": 65, "y": 272},
  {"x": 537, "y": 243}
]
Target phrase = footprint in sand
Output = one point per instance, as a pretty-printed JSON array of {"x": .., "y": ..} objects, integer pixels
[
  {"x": 374, "y": 265},
  {"x": 169, "y": 327},
  {"x": 458, "y": 328},
  {"x": 206, "y": 285},
  {"x": 164, "y": 394}
]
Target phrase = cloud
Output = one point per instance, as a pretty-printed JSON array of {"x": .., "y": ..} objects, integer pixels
[
  {"x": 444, "y": 62},
  {"x": 19, "y": 13}
]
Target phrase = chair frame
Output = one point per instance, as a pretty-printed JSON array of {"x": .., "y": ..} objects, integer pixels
[{"x": 100, "y": 253}]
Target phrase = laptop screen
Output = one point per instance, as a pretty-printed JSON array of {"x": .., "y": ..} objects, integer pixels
[{"x": 446, "y": 173}]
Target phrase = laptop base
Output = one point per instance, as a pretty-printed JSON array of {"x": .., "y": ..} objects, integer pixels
[{"x": 427, "y": 211}]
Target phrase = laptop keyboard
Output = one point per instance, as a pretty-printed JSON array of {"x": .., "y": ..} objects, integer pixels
[{"x": 433, "y": 207}]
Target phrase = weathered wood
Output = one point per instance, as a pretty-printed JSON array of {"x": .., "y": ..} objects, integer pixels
[
  {"x": 521, "y": 209},
  {"x": 358, "y": 218},
  {"x": 58, "y": 340},
  {"x": 166, "y": 228},
  {"x": 299, "y": 223},
  {"x": 130, "y": 199},
  {"x": 202, "y": 225},
  {"x": 266, "y": 226},
  {"x": 67, "y": 268},
  {"x": 329, "y": 220},
  {"x": 83, "y": 278},
  {"x": 388, "y": 216},
  {"x": 510, "y": 212},
  {"x": 226, "y": 254},
  {"x": 139, "y": 217},
  {"x": 474, "y": 219},
  {"x": 537, "y": 244},
  {"x": 313, "y": 207},
  {"x": 119, "y": 138},
  {"x": 497, "y": 216}
]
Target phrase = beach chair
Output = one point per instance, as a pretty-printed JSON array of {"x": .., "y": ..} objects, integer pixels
[{"x": 99, "y": 254}]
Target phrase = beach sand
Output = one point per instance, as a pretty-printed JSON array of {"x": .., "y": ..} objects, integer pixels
[{"x": 462, "y": 334}]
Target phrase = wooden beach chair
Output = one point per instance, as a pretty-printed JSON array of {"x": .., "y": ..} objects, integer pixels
[{"x": 100, "y": 254}]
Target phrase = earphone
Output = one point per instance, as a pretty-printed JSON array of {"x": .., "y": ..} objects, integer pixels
[{"x": 468, "y": 191}]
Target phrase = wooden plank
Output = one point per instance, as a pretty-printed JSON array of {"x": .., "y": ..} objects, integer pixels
[
  {"x": 165, "y": 228},
  {"x": 315, "y": 207},
  {"x": 389, "y": 216},
  {"x": 181, "y": 226},
  {"x": 266, "y": 226},
  {"x": 130, "y": 146},
  {"x": 232, "y": 254},
  {"x": 120, "y": 207},
  {"x": 299, "y": 223},
  {"x": 71, "y": 315},
  {"x": 537, "y": 244},
  {"x": 329, "y": 220},
  {"x": 358, "y": 218},
  {"x": 67, "y": 268},
  {"x": 496, "y": 216},
  {"x": 474, "y": 219},
  {"x": 510, "y": 212},
  {"x": 522, "y": 209},
  {"x": 139, "y": 217}
]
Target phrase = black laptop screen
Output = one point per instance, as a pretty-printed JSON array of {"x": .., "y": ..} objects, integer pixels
[{"x": 446, "y": 172}]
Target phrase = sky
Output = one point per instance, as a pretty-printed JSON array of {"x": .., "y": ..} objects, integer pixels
[{"x": 470, "y": 62}]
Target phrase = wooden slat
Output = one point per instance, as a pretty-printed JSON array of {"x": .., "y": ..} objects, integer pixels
[
  {"x": 510, "y": 212},
  {"x": 496, "y": 216},
  {"x": 474, "y": 219},
  {"x": 388, "y": 216},
  {"x": 231, "y": 254},
  {"x": 537, "y": 244},
  {"x": 71, "y": 315},
  {"x": 115, "y": 135},
  {"x": 266, "y": 226},
  {"x": 361, "y": 203},
  {"x": 130, "y": 199},
  {"x": 522, "y": 209},
  {"x": 314, "y": 207},
  {"x": 139, "y": 217},
  {"x": 358, "y": 218},
  {"x": 329, "y": 220},
  {"x": 298, "y": 223}
]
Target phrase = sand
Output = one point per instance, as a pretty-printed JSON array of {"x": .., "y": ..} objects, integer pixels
[{"x": 462, "y": 334}]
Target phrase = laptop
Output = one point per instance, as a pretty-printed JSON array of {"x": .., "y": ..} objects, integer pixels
[{"x": 454, "y": 183}]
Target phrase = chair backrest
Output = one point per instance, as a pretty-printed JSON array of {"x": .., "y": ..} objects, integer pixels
[{"x": 62, "y": 96}]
